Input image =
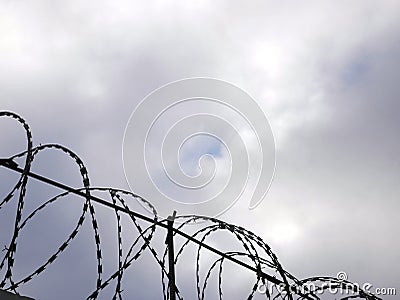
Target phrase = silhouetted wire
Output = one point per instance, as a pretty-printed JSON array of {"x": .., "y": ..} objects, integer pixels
[{"x": 285, "y": 285}]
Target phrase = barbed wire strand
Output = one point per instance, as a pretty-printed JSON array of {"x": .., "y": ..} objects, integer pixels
[{"x": 253, "y": 247}]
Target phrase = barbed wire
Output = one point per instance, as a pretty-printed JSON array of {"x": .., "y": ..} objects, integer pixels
[{"x": 276, "y": 282}]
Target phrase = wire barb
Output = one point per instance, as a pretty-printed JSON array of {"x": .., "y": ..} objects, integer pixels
[{"x": 250, "y": 252}]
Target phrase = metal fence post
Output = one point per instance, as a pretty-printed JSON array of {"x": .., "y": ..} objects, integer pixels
[{"x": 171, "y": 256}]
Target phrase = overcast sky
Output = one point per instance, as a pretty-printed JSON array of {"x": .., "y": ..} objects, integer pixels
[{"x": 324, "y": 72}]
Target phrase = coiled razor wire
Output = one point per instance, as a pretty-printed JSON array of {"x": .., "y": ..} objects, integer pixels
[{"x": 250, "y": 246}]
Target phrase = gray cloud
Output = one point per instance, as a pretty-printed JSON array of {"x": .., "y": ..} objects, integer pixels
[{"x": 325, "y": 73}]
